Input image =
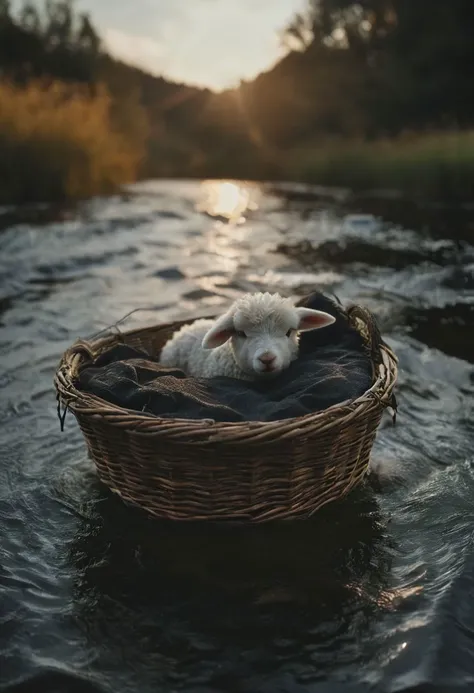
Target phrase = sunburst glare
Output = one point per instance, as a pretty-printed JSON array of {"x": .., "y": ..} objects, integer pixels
[{"x": 226, "y": 200}]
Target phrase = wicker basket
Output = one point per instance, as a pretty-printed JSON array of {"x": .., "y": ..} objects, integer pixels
[{"x": 186, "y": 469}]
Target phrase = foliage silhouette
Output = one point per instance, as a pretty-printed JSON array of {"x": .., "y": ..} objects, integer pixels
[{"x": 353, "y": 72}]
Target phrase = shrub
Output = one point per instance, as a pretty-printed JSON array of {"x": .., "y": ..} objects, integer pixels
[{"x": 57, "y": 142}]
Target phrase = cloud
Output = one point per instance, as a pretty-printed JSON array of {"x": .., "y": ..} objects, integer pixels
[
  {"x": 208, "y": 42},
  {"x": 139, "y": 50}
]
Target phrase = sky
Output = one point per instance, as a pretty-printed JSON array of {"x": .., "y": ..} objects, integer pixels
[{"x": 212, "y": 43}]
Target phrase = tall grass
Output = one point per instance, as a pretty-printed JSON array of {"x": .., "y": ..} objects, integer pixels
[
  {"x": 57, "y": 142},
  {"x": 431, "y": 165}
]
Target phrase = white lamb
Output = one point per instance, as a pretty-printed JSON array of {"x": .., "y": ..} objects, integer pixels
[{"x": 256, "y": 337}]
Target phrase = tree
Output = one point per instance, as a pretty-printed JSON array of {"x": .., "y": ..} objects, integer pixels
[
  {"x": 416, "y": 58},
  {"x": 30, "y": 19},
  {"x": 298, "y": 35},
  {"x": 5, "y": 11},
  {"x": 59, "y": 23},
  {"x": 87, "y": 38}
]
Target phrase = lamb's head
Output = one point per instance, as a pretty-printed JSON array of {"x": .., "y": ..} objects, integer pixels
[{"x": 263, "y": 330}]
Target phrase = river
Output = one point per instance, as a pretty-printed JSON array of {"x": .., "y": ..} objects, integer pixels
[{"x": 373, "y": 592}]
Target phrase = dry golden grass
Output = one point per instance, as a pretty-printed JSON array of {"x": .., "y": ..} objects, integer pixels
[{"x": 57, "y": 142}]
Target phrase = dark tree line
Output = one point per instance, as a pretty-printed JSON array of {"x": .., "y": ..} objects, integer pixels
[
  {"x": 365, "y": 69},
  {"x": 47, "y": 41},
  {"x": 415, "y": 57}
]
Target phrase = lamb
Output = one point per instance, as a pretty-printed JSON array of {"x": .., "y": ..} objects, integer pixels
[{"x": 256, "y": 338}]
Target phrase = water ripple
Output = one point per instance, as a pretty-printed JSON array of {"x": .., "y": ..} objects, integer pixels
[{"x": 374, "y": 590}]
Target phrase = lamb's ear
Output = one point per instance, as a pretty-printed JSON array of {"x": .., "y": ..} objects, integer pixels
[
  {"x": 313, "y": 319},
  {"x": 220, "y": 332}
]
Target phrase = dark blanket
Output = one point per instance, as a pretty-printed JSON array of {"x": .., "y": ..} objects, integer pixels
[{"x": 332, "y": 367}]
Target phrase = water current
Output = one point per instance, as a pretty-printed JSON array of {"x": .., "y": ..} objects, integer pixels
[{"x": 375, "y": 592}]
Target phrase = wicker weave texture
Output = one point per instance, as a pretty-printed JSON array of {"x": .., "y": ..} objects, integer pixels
[{"x": 185, "y": 469}]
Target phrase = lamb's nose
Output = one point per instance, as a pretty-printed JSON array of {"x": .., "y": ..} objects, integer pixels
[{"x": 267, "y": 358}]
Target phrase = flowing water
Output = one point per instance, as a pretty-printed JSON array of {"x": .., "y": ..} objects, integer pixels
[{"x": 376, "y": 591}]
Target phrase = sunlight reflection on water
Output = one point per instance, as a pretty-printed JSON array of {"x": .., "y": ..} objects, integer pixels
[{"x": 227, "y": 200}]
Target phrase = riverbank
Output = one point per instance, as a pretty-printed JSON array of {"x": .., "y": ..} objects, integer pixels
[
  {"x": 60, "y": 143},
  {"x": 435, "y": 166}
]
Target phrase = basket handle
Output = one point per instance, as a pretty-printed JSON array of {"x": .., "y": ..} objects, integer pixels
[
  {"x": 365, "y": 323},
  {"x": 72, "y": 361},
  {"x": 77, "y": 356}
]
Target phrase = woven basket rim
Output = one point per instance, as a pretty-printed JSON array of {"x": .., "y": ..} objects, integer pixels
[{"x": 379, "y": 394}]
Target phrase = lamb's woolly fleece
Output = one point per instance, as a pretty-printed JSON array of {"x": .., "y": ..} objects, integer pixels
[
  {"x": 184, "y": 350},
  {"x": 265, "y": 318}
]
